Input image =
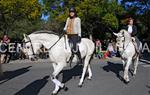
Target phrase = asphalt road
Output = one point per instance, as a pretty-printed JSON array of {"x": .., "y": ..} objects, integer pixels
[{"x": 23, "y": 77}]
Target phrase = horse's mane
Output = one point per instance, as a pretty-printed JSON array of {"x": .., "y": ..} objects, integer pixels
[
  {"x": 125, "y": 32},
  {"x": 45, "y": 31}
]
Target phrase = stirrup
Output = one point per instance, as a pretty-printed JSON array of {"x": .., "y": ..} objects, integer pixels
[
  {"x": 70, "y": 60},
  {"x": 75, "y": 51}
]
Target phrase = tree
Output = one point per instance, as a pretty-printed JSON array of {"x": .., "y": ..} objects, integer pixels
[
  {"x": 94, "y": 14},
  {"x": 53, "y": 25},
  {"x": 24, "y": 26},
  {"x": 12, "y": 11}
]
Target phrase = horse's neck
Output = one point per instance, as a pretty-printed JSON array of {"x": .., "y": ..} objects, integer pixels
[
  {"x": 47, "y": 40},
  {"x": 127, "y": 40}
]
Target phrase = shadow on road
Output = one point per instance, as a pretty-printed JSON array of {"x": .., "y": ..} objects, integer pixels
[
  {"x": 8, "y": 75},
  {"x": 149, "y": 88},
  {"x": 145, "y": 58},
  {"x": 115, "y": 68},
  {"x": 33, "y": 88},
  {"x": 69, "y": 74}
]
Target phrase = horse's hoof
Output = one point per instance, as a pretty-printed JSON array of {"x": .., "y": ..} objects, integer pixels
[
  {"x": 54, "y": 94},
  {"x": 65, "y": 88},
  {"x": 79, "y": 77},
  {"x": 89, "y": 78},
  {"x": 80, "y": 86},
  {"x": 62, "y": 86},
  {"x": 126, "y": 82},
  {"x": 134, "y": 75}
]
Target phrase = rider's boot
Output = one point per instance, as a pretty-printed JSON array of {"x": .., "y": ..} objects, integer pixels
[
  {"x": 70, "y": 60},
  {"x": 80, "y": 58},
  {"x": 135, "y": 45}
]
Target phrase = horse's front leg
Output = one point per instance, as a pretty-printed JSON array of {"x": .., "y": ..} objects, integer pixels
[
  {"x": 136, "y": 62},
  {"x": 123, "y": 62},
  {"x": 126, "y": 76},
  {"x": 89, "y": 72},
  {"x": 57, "y": 69},
  {"x": 86, "y": 62}
]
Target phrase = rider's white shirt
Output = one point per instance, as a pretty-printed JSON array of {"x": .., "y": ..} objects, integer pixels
[
  {"x": 130, "y": 29},
  {"x": 76, "y": 27}
]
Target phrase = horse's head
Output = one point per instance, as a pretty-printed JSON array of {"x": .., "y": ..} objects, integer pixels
[
  {"x": 120, "y": 34},
  {"x": 120, "y": 43},
  {"x": 31, "y": 47},
  {"x": 122, "y": 37}
]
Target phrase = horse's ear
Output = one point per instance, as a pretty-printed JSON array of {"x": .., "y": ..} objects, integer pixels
[
  {"x": 24, "y": 35},
  {"x": 123, "y": 32},
  {"x": 115, "y": 34}
]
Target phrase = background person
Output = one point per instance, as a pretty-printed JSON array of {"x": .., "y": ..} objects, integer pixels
[{"x": 4, "y": 49}]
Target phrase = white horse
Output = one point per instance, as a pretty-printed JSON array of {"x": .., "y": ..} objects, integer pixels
[
  {"x": 59, "y": 53},
  {"x": 127, "y": 51}
]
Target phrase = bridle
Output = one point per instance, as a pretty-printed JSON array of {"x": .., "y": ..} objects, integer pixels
[
  {"x": 123, "y": 47},
  {"x": 29, "y": 41}
]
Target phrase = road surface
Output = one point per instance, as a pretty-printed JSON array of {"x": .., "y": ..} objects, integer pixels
[{"x": 23, "y": 77}]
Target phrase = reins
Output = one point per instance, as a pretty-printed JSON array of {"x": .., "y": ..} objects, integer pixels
[
  {"x": 56, "y": 41},
  {"x": 48, "y": 48}
]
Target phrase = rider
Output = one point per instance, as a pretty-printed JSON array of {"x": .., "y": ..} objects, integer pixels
[
  {"x": 5, "y": 49},
  {"x": 132, "y": 29},
  {"x": 73, "y": 31}
]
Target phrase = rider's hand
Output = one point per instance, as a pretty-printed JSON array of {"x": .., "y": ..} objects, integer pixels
[
  {"x": 79, "y": 39},
  {"x": 64, "y": 31}
]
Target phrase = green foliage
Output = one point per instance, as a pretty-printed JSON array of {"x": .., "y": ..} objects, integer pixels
[
  {"x": 139, "y": 10},
  {"x": 12, "y": 11},
  {"x": 110, "y": 20},
  {"x": 93, "y": 13},
  {"x": 97, "y": 16},
  {"x": 53, "y": 25},
  {"x": 22, "y": 26}
]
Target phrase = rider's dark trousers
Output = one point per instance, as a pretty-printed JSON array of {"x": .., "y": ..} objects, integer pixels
[
  {"x": 137, "y": 41},
  {"x": 73, "y": 39}
]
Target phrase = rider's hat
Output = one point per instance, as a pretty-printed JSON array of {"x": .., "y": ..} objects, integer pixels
[{"x": 72, "y": 9}]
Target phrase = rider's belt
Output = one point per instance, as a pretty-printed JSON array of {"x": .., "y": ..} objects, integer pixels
[{"x": 72, "y": 35}]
